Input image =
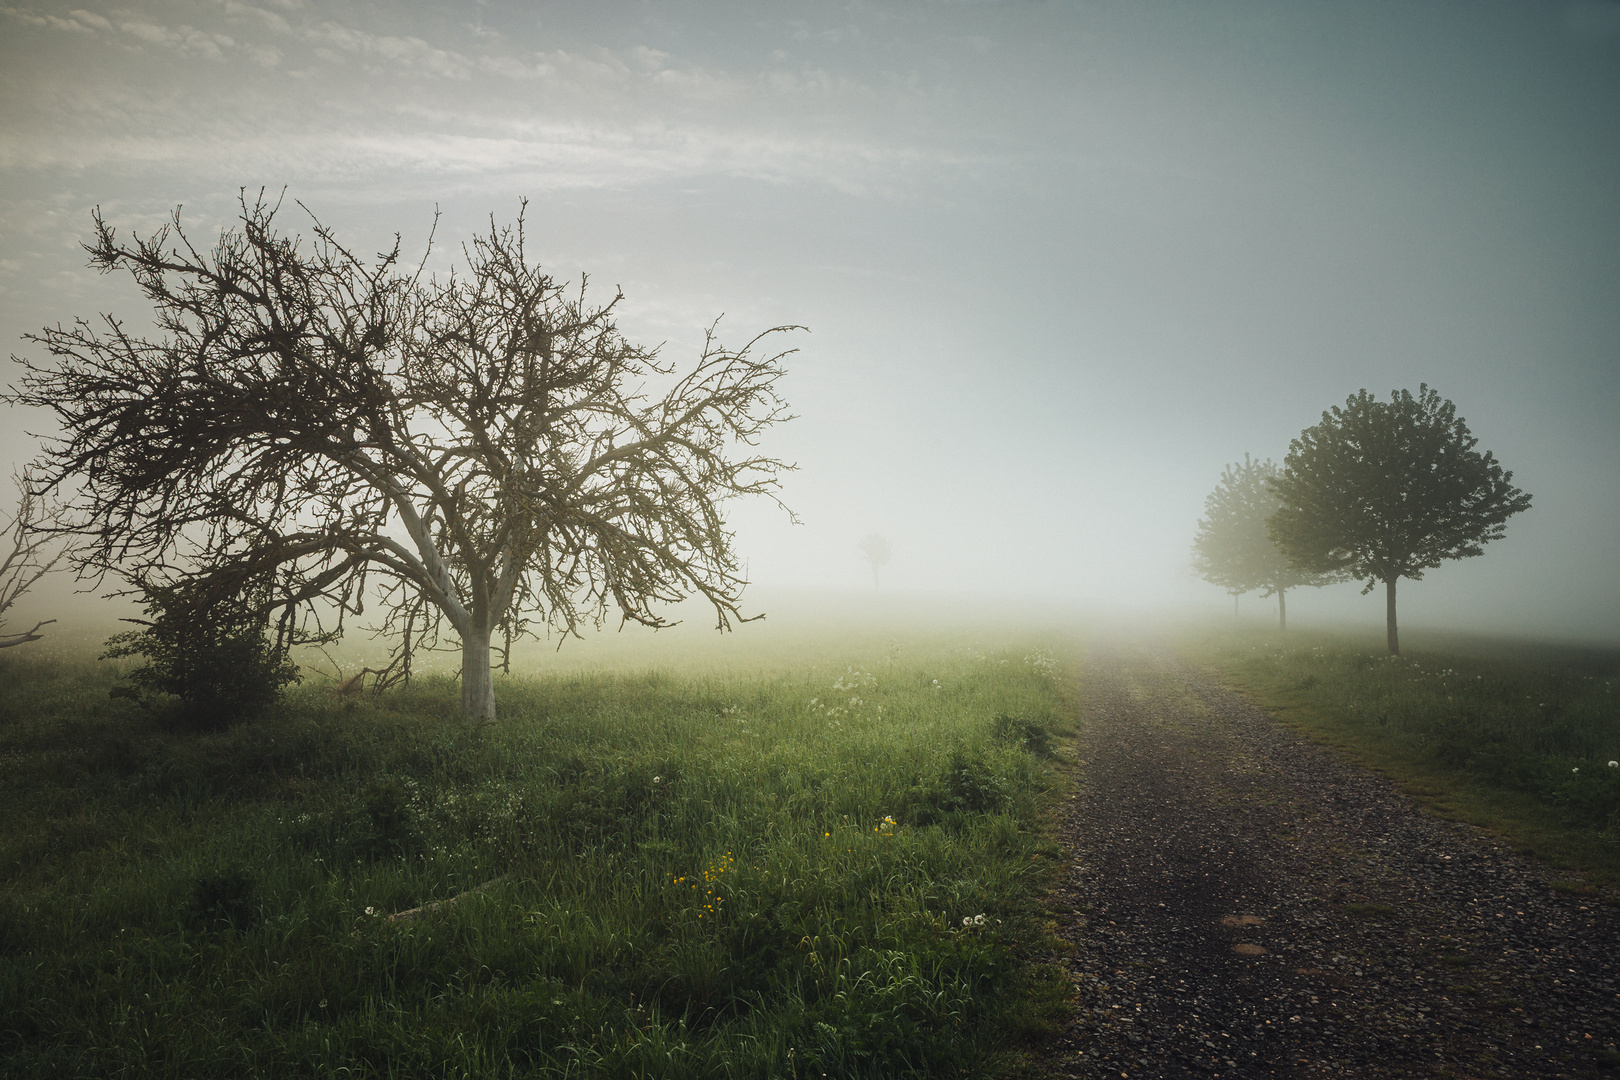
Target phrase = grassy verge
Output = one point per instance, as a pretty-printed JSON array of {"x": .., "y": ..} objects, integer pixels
[
  {"x": 833, "y": 870},
  {"x": 1516, "y": 738}
]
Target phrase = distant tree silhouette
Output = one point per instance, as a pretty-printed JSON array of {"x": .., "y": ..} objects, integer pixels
[
  {"x": 1233, "y": 547},
  {"x": 480, "y": 451},
  {"x": 876, "y": 549},
  {"x": 1382, "y": 490}
]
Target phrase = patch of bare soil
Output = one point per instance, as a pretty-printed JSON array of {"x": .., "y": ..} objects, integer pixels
[{"x": 1243, "y": 904}]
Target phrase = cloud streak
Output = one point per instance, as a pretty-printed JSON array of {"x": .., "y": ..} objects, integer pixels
[
  {"x": 477, "y": 105},
  {"x": 76, "y": 22},
  {"x": 1062, "y": 260}
]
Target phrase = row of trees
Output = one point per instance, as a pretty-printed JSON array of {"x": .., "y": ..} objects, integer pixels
[
  {"x": 309, "y": 434},
  {"x": 484, "y": 456},
  {"x": 1377, "y": 491}
]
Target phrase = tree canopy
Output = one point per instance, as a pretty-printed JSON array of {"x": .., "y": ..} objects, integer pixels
[
  {"x": 1381, "y": 490},
  {"x": 1233, "y": 547},
  {"x": 484, "y": 452}
]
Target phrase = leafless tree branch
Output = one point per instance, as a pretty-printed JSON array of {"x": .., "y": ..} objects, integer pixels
[
  {"x": 481, "y": 451},
  {"x": 28, "y": 557}
]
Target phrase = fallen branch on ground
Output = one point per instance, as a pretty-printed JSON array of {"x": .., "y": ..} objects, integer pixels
[{"x": 416, "y": 914}]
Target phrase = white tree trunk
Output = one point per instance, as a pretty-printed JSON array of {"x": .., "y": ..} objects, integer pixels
[{"x": 477, "y": 678}]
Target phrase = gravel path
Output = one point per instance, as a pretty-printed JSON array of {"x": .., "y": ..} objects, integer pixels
[{"x": 1246, "y": 905}]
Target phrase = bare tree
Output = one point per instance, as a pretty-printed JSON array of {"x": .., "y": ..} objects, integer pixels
[
  {"x": 484, "y": 453},
  {"x": 876, "y": 549},
  {"x": 28, "y": 558}
]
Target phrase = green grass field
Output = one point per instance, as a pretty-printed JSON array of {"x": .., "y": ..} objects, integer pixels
[
  {"x": 1514, "y": 736},
  {"x": 826, "y": 862},
  {"x": 824, "y": 854}
]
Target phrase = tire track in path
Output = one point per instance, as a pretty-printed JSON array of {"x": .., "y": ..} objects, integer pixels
[{"x": 1244, "y": 904}]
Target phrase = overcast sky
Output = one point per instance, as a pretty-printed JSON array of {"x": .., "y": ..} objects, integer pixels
[{"x": 1060, "y": 262}]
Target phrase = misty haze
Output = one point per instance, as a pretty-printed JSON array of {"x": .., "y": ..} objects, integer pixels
[{"x": 707, "y": 539}]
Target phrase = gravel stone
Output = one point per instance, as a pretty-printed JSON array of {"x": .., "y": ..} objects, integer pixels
[{"x": 1243, "y": 903}]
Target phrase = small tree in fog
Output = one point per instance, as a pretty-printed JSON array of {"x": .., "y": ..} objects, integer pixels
[
  {"x": 876, "y": 550},
  {"x": 1233, "y": 547},
  {"x": 29, "y": 556},
  {"x": 1382, "y": 490},
  {"x": 485, "y": 451}
]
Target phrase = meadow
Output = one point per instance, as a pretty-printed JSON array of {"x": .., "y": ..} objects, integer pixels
[
  {"x": 825, "y": 861},
  {"x": 1520, "y": 737}
]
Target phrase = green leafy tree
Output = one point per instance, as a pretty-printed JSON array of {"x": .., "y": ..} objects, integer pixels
[
  {"x": 1382, "y": 490},
  {"x": 480, "y": 454},
  {"x": 1233, "y": 547}
]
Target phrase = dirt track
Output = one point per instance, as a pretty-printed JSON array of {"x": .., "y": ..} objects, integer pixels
[{"x": 1246, "y": 905}]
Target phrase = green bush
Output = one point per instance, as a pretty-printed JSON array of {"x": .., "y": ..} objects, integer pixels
[
  {"x": 392, "y": 831},
  {"x": 967, "y": 785},
  {"x": 1029, "y": 735},
  {"x": 210, "y": 662}
]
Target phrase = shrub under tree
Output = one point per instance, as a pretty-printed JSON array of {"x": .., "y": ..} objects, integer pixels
[{"x": 212, "y": 659}]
